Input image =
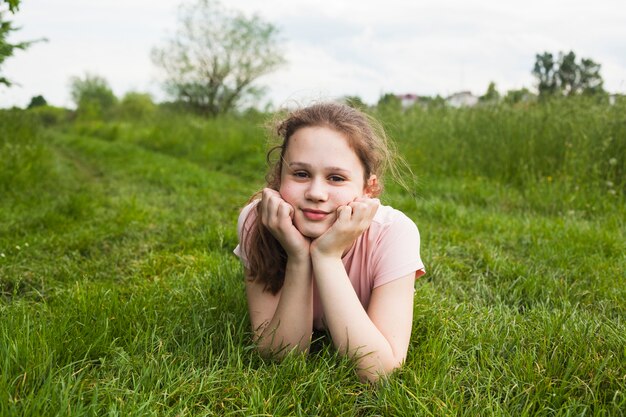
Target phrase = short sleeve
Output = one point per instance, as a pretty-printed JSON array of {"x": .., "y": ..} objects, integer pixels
[
  {"x": 397, "y": 252},
  {"x": 245, "y": 223}
]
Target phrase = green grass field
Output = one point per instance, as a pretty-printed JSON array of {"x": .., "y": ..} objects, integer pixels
[{"x": 120, "y": 295}]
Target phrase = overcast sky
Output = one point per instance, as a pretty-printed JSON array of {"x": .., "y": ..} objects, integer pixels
[{"x": 333, "y": 47}]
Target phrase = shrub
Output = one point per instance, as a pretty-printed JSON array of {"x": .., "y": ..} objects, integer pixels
[{"x": 49, "y": 115}]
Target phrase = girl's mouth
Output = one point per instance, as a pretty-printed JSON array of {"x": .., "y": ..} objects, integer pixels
[{"x": 314, "y": 215}]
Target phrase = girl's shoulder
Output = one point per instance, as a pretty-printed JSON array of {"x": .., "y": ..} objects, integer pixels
[
  {"x": 247, "y": 216},
  {"x": 252, "y": 204},
  {"x": 387, "y": 216},
  {"x": 392, "y": 225}
]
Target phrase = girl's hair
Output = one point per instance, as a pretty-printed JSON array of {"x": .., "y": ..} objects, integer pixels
[{"x": 267, "y": 258}]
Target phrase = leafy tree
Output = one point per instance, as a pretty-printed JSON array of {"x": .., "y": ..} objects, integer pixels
[
  {"x": 6, "y": 27},
  {"x": 492, "y": 95},
  {"x": 216, "y": 56},
  {"x": 92, "y": 95},
  {"x": 545, "y": 71},
  {"x": 13, "y": 4},
  {"x": 590, "y": 77},
  {"x": 566, "y": 76},
  {"x": 37, "y": 101}
]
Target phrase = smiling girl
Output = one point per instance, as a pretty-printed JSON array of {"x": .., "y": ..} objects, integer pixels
[{"x": 319, "y": 250}]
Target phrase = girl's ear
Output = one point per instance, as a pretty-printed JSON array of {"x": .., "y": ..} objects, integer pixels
[{"x": 372, "y": 189}]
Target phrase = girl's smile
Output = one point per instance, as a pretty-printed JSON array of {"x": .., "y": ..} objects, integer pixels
[{"x": 314, "y": 215}]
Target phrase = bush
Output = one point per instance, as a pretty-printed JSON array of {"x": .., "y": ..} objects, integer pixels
[
  {"x": 93, "y": 97},
  {"x": 25, "y": 161},
  {"x": 136, "y": 105},
  {"x": 49, "y": 115}
]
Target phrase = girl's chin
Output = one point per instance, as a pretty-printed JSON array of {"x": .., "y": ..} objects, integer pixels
[{"x": 312, "y": 232}]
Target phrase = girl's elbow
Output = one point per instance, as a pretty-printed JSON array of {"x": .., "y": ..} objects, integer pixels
[
  {"x": 279, "y": 351},
  {"x": 373, "y": 374}
]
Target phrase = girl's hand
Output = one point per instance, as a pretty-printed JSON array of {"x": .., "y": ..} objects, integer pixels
[
  {"x": 277, "y": 216},
  {"x": 352, "y": 220}
]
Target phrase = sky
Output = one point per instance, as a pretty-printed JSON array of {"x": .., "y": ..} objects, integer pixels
[{"x": 333, "y": 48}]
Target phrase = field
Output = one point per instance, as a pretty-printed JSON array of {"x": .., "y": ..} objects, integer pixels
[{"x": 120, "y": 295}]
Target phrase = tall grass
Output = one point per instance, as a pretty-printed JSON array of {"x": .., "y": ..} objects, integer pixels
[
  {"x": 119, "y": 294},
  {"x": 578, "y": 144}
]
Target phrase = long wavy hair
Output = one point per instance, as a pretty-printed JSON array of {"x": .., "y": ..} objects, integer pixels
[{"x": 267, "y": 258}]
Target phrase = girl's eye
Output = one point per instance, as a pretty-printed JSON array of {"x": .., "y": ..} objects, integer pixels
[
  {"x": 300, "y": 174},
  {"x": 336, "y": 178}
]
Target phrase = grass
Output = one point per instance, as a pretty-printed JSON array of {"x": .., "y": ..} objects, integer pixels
[{"x": 119, "y": 294}]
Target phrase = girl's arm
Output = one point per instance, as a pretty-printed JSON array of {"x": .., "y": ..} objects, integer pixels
[
  {"x": 283, "y": 321},
  {"x": 378, "y": 338}
]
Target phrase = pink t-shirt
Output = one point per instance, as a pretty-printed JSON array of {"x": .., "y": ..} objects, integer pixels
[{"x": 389, "y": 249}]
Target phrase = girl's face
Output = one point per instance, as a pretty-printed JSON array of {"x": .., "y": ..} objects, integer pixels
[{"x": 320, "y": 172}]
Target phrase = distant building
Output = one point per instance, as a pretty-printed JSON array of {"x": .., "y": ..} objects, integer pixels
[
  {"x": 407, "y": 100},
  {"x": 462, "y": 99},
  {"x": 613, "y": 98},
  {"x": 410, "y": 100}
]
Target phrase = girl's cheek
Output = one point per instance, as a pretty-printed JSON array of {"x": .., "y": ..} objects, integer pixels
[
  {"x": 342, "y": 198},
  {"x": 287, "y": 192}
]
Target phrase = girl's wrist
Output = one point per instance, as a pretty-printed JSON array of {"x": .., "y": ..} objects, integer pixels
[
  {"x": 317, "y": 255},
  {"x": 299, "y": 260}
]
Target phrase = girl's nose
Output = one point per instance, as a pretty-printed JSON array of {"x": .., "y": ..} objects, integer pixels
[{"x": 316, "y": 191}]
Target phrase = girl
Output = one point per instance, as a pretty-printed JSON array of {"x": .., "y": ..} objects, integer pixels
[{"x": 321, "y": 252}]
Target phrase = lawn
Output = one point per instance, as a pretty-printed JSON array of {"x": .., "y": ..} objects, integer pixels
[{"x": 120, "y": 295}]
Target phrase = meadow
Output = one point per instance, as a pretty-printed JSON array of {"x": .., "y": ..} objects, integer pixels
[{"x": 120, "y": 295}]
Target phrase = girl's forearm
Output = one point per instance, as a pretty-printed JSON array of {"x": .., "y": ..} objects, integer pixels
[
  {"x": 292, "y": 323},
  {"x": 353, "y": 332}
]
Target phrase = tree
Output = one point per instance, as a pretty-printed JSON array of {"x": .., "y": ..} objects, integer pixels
[
  {"x": 13, "y": 4},
  {"x": 545, "y": 71},
  {"x": 37, "y": 101},
  {"x": 492, "y": 95},
  {"x": 565, "y": 76},
  {"x": 6, "y": 27},
  {"x": 92, "y": 95},
  {"x": 590, "y": 77},
  {"x": 216, "y": 56}
]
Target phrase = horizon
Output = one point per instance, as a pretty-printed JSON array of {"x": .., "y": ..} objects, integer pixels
[{"x": 333, "y": 49}]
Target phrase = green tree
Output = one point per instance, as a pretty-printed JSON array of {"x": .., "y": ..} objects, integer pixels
[
  {"x": 216, "y": 56},
  {"x": 545, "y": 71},
  {"x": 13, "y": 4},
  {"x": 590, "y": 77},
  {"x": 37, "y": 101},
  {"x": 92, "y": 95},
  {"x": 6, "y": 27},
  {"x": 492, "y": 95},
  {"x": 566, "y": 76}
]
